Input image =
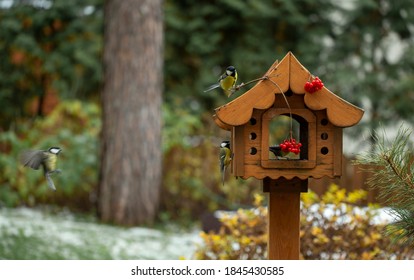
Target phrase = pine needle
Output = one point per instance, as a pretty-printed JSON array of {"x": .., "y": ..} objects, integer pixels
[{"x": 391, "y": 167}]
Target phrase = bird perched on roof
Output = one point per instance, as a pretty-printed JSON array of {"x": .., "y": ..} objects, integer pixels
[
  {"x": 227, "y": 81},
  {"x": 45, "y": 158},
  {"x": 225, "y": 158}
]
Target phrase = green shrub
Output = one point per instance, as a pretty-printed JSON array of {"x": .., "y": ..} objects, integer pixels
[
  {"x": 332, "y": 227},
  {"x": 192, "y": 181},
  {"x": 73, "y": 126}
]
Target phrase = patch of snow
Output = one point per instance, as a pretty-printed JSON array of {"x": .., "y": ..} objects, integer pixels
[{"x": 62, "y": 236}]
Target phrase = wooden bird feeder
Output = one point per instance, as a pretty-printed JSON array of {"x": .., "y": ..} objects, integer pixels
[{"x": 320, "y": 117}]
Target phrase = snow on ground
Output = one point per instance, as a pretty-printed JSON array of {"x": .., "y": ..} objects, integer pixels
[
  {"x": 380, "y": 215},
  {"x": 33, "y": 234}
]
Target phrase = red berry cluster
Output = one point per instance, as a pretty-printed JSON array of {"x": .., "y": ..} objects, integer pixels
[
  {"x": 313, "y": 86},
  {"x": 291, "y": 146}
]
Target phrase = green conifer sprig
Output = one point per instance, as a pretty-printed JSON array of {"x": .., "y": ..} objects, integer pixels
[{"x": 391, "y": 163}]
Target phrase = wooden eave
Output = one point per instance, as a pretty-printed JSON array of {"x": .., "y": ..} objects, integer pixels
[{"x": 288, "y": 74}]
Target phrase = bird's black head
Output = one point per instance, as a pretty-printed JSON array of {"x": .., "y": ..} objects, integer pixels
[
  {"x": 225, "y": 144},
  {"x": 55, "y": 150},
  {"x": 231, "y": 71},
  {"x": 276, "y": 150}
]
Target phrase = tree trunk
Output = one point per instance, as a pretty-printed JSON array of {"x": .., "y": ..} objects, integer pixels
[{"x": 131, "y": 135}]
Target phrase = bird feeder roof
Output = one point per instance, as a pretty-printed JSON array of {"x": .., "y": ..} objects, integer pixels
[{"x": 288, "y": 74}]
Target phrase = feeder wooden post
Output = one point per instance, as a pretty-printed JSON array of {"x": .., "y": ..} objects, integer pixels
[
  {"x": 283, "y": 226},
  {"x": 284, "y": 217}
]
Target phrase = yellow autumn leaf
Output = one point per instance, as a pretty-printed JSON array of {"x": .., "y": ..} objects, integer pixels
[
  {"x": 258, "y": 199},
  {"x": 340, "y": 196},
  {"x": 245, "y": 240},
  {"x": 215, "y": 237},
  {"x": 316, "y": 231},
  {"x": 366, "y": 241},
  {"x": 309, "y": 198},
  {"x": 337, "y": 239},
  {"x": 321, "y": 239},
  {"x": 356, "y": 196},
  {"x": 366, "y": 256},
  {"x": 360, "y": 233},
  {"x": 376, "y": 235}
]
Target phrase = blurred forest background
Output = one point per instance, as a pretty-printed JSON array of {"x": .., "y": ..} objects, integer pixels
[{"x": 52, "y": 79}]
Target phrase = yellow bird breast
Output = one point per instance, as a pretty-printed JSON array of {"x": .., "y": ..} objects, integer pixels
[
  {"x": 50, "y": 162},
  {"x": 227, "y": 83}
]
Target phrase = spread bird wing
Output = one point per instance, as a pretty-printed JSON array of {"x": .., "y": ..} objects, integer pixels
[
  {"x": 222, "y": 159},
  {"x": 222, "y": 165},
  {"x": 32, "y": 159}
]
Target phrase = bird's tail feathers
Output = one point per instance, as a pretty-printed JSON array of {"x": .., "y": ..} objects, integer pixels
[
  {"x": 223, "y": 174},
  {"x": 50, "y": 182},
  {"x": 212, "y": 87}
]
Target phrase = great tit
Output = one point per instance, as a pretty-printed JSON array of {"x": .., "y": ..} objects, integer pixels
[
  {"x": 279, "y": 154},
  {"x": 45, "y": 158},
  {"x": 225, "y": 158},
  {"x": 276, "y": 150},
  {"x": 226, "y": 81}
]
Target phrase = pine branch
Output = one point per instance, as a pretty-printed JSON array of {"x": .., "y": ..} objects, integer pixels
[
  {"x": 391, "y": 167},
  {"x": 403, "y": 177}
]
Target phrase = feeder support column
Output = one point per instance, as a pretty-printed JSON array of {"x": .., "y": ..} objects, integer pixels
[{"x": 284, "y": 217}]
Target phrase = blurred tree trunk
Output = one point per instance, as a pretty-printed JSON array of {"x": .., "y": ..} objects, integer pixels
[{"x": 131, "y": 137}]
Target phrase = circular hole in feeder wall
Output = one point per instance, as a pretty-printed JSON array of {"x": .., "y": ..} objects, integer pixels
[
  {"x": 253, "y": 136},
  {"x": 324, "y": 150},
  {"x": 253, "y": 121},
  {"x": 253, "y": 151},
  {"x": 324, "y": 122},
  {"x": 324, "y": 136}
]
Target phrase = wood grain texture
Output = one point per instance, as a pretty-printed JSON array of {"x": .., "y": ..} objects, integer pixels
[
  {"x": 238, "y": 141},
  {"x": 289, "y": 74},
  {"x": 340, "y": 112},
  {"x": 283, "y": 226}
]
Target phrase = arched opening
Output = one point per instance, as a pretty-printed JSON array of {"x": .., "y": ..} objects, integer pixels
[
  {"x": 279, "y": 131},
  {"x": 298, "y": 128}
]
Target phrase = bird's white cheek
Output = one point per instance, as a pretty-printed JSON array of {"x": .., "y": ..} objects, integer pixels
[{"x": 54, "y": 151}]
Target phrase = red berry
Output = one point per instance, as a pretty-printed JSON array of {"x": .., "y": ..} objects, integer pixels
[
  {"x": 290, "y": 145},
  {"x": 314, "y": 86},
  {"x": 308, "y": 86}
]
